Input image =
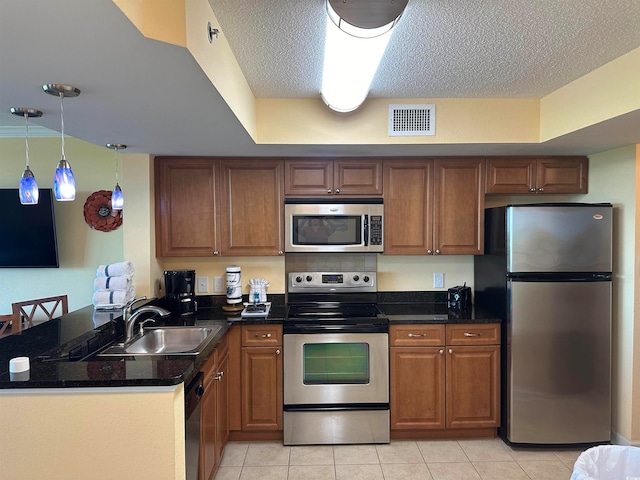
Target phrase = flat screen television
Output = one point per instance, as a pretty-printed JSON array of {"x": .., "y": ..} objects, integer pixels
[{"x": 27, "y": 232}]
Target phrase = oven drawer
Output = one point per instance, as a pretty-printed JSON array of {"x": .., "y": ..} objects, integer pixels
[
  {"x": 416, "y": 335},
  {"x": 473, "y": 334},
  {"x": 261, "y": 335}
]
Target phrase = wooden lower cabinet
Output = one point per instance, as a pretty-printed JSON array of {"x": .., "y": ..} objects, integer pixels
[
  {"x": 256, "y": 389},
  {"x": 214, "y": 421},
  {"x": 445, "y": 380}
]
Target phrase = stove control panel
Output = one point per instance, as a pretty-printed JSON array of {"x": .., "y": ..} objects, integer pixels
[{"x": 332, "y": 281}]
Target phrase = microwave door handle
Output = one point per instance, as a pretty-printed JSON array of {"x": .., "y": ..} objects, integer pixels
[{"x": 366, "y": 230}]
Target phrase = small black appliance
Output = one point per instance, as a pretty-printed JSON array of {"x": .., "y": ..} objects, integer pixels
[
  {"x": 459, "y": 297},
  {"x": 180, "y": 291}
]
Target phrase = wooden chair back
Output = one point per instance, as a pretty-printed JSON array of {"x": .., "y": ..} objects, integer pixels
[
  {"x": 27, "y": 310},
  {"x": 5, "y": 321}
]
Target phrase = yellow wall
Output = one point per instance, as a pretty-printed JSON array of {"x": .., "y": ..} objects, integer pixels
[
  {"x": 98, "y": 433},
  {"x": 81, "y": 249}
]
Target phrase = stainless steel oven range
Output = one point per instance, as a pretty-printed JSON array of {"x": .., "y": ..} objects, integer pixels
[{"x": 336, "y": 360}]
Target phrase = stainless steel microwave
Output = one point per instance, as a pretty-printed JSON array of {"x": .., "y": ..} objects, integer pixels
[{"x": 345, "y": 225}]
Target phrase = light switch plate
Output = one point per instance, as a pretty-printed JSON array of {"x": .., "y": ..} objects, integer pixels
[
  {"x": 203, "y": 284},
  {"x": 438, "y": 280},
  {"x": 218, "y": 286}
]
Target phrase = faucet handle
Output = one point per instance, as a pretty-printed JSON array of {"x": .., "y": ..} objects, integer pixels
[{"x": 134, "y": 301}]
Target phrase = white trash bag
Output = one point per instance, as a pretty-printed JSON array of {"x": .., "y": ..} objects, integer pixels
[{"x": 608, "y": 462}]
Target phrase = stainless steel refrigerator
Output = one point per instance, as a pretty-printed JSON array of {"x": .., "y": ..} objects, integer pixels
[{"x": 547, "y": 273}]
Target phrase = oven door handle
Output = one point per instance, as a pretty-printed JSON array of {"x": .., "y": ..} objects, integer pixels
[{"x": 319, "y": 329}]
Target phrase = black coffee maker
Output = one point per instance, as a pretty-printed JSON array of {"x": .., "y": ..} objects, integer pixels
[{"x": 180, "y": 291}]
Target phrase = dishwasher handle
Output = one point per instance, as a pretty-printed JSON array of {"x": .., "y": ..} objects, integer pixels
[{"x": 192, "y": 395}]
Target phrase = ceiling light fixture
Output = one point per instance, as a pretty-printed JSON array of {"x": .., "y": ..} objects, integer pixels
[
  {"x": 64, "y": 184},
  {"x": 29, "y": 193},
  {"x": 355, "y": 41},
  {"x": 117, "y": 197}
]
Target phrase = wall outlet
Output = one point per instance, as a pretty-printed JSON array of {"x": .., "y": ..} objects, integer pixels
[
  {"x": 438, "y": 280},
  {"x": 203, "y": 284},
  {"x": 218, "y": 286}
]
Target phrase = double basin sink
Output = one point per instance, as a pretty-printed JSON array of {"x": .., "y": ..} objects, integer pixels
[{"x": 165, "y": 341}]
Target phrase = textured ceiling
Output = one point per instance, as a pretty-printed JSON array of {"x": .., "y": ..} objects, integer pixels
[
  {"x": 154, "y": 97},
  {"x": 440, "y": 48}
]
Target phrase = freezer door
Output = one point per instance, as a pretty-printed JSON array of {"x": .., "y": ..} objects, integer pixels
[
  {"x": 558, "y": 238},
  {"x": 559, "y": 362}
]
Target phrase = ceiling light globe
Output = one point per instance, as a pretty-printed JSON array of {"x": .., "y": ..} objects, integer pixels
[
  {"x": 117, "y": 198},
  {"x": 28, "y": 192},
  {"x": 64, "y": 184}
]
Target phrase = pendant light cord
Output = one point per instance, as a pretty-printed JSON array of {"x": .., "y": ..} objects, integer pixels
[
  {"x": 116, "y": 154},
  {"x": 62, "y": 121},
  {"x": 26, "y": 138}
]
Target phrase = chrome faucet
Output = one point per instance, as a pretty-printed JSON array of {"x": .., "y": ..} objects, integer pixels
[{"x": 130, "y": 316}]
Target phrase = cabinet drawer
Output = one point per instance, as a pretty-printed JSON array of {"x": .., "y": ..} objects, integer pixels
[
  {"x": 416, "y": 335},
  {"x": 261, "y": 335},
  {"x": 473, "y": 334}
]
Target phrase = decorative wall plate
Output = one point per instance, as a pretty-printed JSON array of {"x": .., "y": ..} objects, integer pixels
[{"x": 98, "y": 212}]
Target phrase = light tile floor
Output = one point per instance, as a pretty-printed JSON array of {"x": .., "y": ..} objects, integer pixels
[{"x": 486, "y": 459}]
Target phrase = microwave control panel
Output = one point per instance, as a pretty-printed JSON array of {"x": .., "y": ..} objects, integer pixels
[{"x": 375, "y": 230}]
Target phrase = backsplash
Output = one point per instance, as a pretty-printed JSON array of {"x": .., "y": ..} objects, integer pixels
[{"x": 331, "y": 262}]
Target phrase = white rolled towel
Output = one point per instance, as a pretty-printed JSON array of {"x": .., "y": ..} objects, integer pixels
[
  {"x": 113, "y": 298},
  {"x": 121, "y": 282},
  {"x": 116, "y": 269}
]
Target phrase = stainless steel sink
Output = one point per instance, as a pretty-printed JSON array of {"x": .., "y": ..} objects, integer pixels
[{"x": 165, "y": 341}]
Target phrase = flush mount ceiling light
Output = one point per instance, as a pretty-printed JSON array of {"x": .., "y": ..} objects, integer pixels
[
  {"x": 355, "y": 40},
  {"x": 29, "y": 193},
  {"x": 64, "y": 184},
  {"x": 117, "y": 197}
]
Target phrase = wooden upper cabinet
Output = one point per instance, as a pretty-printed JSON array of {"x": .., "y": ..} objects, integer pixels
[
  {"x": 252, "y": 202},
  {"x": 458, "y": 206},
  {"x": 434, "y": 207},
  {"x": 541, "y": 175},
  {"x": 186, "y": 207},
  {"x": 323, "y": 177}
]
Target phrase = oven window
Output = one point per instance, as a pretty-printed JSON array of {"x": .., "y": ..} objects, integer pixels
[
  {"x": 327, "y": 230},
  {"x": 335, "y": 363}
]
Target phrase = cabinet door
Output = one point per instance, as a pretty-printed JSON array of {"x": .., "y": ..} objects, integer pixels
[
  {"x": 186, "y": 207},
  {"x": 222, "y": 408},
  {"x": 473, "y": 390},
  {"x": 357, "y": 176},
  {"x": 562, "y": 175},
  {"x": 417, "y": 397},
  {"x": 458, "y": 225},
  {"x": 408, "y": 206},
  {"x": 261, "y": 388},
  {"x": 252, "y": 201},
  {"x": 511, "y": 175},
  {"x": 308, "y": 177},
  {"x": 208, "y": 425}
]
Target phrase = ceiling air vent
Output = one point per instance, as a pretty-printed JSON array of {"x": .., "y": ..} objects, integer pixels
[{"x": 412, "y": 120}]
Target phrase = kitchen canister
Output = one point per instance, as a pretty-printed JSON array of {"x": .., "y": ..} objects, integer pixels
[{"x": 234, "y": 284}]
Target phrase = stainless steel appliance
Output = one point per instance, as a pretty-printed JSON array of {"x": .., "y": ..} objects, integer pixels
[
  {"x": 547, "y": 272},
  {"x": 192, "y": 408},
  {"x": 180, "y": 292},
  {"x": 347, "y": 225},
  {"x": 336, "y": 360}
]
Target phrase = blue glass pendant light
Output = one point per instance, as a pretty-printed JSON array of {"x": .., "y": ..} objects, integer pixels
[
  {"x": 117, "y": 198},
  {"x": 28, "y": 192},
  {"x": 64, "y": 184}
]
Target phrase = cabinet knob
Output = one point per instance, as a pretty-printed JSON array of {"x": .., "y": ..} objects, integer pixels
[
  {"x": 467, "y": 334},
  {"x": 264, "y": 335},
  {"x": 337, "y": 190},
  {"x": 541, "y": 189},
  {"x": 278, "y": 352},
  {"x": 329, "y": 191},
  {"x": 437, "y": 251},
  {"x": 532, "y": 189},
  {"x": 429, "y": 252},
  {"x": 441, "y": 351},
  {"x": 216, "y": 252},
  {"x": 450, "y": 350},
  {"x": 412, "y": 335},
  {"x": 280, "y": 252}
]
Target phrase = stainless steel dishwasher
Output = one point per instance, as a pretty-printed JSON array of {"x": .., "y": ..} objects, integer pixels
[{"x": 192, "y": 396}]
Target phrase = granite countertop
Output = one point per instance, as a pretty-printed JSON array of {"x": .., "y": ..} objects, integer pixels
[{"x": 60, "y": 350}]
